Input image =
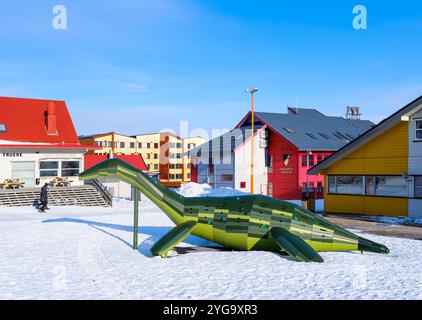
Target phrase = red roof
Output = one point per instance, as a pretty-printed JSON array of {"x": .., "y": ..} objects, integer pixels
[
  {"x": 135, "y": 160},
  {"x": 24, "y": 120}
]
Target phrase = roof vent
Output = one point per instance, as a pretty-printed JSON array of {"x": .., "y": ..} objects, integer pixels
[
  {"x": 293, "y": 110},
  {"x": 353, "y": 113},
  {"x": 51, "y": 119}
]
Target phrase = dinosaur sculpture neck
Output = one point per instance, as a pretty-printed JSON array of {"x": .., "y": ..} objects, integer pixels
[{"x": 170, "y": 202}]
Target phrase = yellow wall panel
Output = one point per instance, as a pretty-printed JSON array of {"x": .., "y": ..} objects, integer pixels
[
  {"x": 386, "y": 206},
  {"x": 344, "y": 204},
  {"x": 348, "y": 166}
]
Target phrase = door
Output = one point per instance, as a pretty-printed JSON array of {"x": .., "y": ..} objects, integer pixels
[{"x": 25, "y": 172}]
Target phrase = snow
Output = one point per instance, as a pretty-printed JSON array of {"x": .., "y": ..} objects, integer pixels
[
  {"x": 86, "y": 253},
  {"x": 9, "y": 142},
  {"x": 193, "y": 189},
  {"x": 204, "y": 190}
]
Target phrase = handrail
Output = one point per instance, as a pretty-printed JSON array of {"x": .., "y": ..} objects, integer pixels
[{"x": 101, "y": 189}]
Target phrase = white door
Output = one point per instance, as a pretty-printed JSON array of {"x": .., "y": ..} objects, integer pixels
[{"x": 25, "y": 171}]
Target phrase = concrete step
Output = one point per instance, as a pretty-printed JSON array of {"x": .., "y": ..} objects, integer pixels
[{"x": 84, "y": 196}]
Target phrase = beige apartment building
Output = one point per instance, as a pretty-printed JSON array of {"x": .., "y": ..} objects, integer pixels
[{"x": 162, "y": 152}]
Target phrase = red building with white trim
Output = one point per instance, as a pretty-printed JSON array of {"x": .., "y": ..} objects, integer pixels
[
  {"x": 38, "y": 142},
  {"x": 286, "y": 146}
]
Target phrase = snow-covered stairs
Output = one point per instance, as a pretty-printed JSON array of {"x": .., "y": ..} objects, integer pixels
[{"x": 85, "y": 196}]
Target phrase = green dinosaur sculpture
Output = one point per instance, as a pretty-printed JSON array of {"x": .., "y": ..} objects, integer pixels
[{"x": 252, "y": 222}]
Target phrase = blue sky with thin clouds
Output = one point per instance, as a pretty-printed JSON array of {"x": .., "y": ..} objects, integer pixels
[{"x": 141, "y": 66}]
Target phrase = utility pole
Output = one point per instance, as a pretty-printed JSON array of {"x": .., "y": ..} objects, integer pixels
[
  {"x": 135, "y": 218},
  {"x": 252, "y": 91},
  {"x": 308, "y": 153}
]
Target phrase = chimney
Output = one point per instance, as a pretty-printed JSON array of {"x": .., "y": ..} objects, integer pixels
[
  {"x": 51, "y": 119},
  {"x": 293, "y": 110}
]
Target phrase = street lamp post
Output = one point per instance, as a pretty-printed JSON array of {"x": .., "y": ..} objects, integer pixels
[
  {"x": 309, "y": 153},
  {"x": 252, "y": 91}
]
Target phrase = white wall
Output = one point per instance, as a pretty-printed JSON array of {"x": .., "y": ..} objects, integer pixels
[
  {"x": 7, "y": 156},
  {"x": 243, "y": 167},
  {"x": 116, "y": 187},
  {"x": 415, "y": 165}
]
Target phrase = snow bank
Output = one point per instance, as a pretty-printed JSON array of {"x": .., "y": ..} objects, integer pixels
[{"x": 204, "y": 190}]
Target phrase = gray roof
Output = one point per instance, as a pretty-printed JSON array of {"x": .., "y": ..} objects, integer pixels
[
  {"x": 228, "y": 141},
  {"x": 311, "y": 130}
]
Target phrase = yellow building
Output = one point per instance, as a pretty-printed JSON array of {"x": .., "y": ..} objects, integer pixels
[
  {"x": 148, "y": 145},
  {"x": 379, "y": 173},
  {"x": 112, "y": 143},
  {"x": 162, "y": 152},
  {"x": 188, "y": 145}
]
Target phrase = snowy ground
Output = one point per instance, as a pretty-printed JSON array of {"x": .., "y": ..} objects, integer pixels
[
  {"x": 81, "y": 253},
  {"x": 85, "y": 253}
]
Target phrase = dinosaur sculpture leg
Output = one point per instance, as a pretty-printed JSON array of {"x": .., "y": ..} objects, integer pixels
[
  {"x": 172, "y": 239},
  {"x": 295, "y": 246}
]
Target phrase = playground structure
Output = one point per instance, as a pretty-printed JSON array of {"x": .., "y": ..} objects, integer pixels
[{"x": 251, "y": 222}]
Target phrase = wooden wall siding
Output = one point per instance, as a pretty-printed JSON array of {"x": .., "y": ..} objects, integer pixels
[
  {"x": 366, "y": 205},
  {"x": 387, "y": 154}
]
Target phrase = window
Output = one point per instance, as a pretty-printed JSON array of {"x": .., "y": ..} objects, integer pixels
[
  {"x": 325, "y": 136},
  {"x": 340, "y": 136},
  {"x": 109, "y": 144},
  {"x": 311, "y": 135},
  {"x": 70, "y": 168},
  {"x": 132, "y": 145},
  {"x": 2, "y": 127},
  {"x": 243, "y": 185},
  {"x": 188, "y": 176},
  {"x": 418, "y": 187},
  {"x": 226, "y": 177},
  {"x": 49, "y": 168},
  {"x": 155, "y": 166},
  {"x": 320, "y": 188},
  {"x": 149, "y": 166},
  {"x": 148, "y": 156},
  {"x": 139, "y": 144},
  {"x": 156, "y": 145},
  {"x": 270, "y": 189},
  {"x": 311, "y": 161},
  {"x": 345, "y": 185},
  {"x": 289, "y": 130},
  {"x": 418, "y": 129},
  {"x": 122, "y": 144},
  {"x": 320, "y": 158},
  {"x": 304, "y": 161},
  {"x": 148, "y": 145},
  {"x": 351, "y": 137},
  {"x": 308, "y": 162},
  {"x": 387, "y": 186}
]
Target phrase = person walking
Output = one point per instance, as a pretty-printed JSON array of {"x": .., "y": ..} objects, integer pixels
[{"x": 44, "y": 198}]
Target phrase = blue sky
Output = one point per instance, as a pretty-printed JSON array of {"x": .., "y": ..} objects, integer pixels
[{"x": 143, "y": 66}]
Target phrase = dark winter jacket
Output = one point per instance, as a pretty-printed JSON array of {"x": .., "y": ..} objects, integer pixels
[{"x": 44, "y": 195}]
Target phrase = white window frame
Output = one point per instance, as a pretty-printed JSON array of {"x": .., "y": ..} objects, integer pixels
[
  {"x": 57, "y": 170},
  {"x": 417, "y": 130},
  {"x": 330, "y": 191}
]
